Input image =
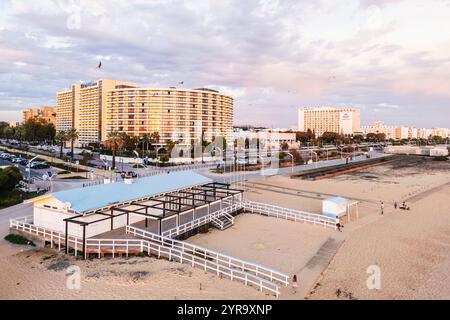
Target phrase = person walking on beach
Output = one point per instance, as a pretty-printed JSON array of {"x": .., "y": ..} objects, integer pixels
[
  {"x": 382, "y": 207},
  {"x": 294, "y": 284},
  {"x": 395, "y": 205},
  {"x": 339, "y": 226}
]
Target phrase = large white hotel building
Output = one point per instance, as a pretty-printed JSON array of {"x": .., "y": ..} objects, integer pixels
[{"x": 319, "y": 120}]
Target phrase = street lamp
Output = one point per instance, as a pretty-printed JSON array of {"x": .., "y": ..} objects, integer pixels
[
  {"x": 29, "y": 172},
  {"x": 317, "y": 157},
  {"x": 292, "y": 161}
]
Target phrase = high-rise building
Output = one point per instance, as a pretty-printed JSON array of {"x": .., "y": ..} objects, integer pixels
[
  {"x": 46, "y": 113},
  {"x": 320, "y": 120},
  {"x": 102, "y": 106},
  {"x": 84, "y": 108},
  {"x": 176, "y": 114}
]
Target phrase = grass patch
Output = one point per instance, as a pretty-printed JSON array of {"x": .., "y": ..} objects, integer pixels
[
  {"x": 64, "y": 172},
  {"x": 18, "y": 239}
]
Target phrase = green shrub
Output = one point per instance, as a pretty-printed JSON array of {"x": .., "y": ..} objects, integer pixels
[{"x": 18, "y": 239}]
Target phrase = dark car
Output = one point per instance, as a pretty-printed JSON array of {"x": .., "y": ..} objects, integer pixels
[
  {"x": 132, "y": 174},
  {"x": 39, "y": 165},
  {"x": 23, "y": 162}
]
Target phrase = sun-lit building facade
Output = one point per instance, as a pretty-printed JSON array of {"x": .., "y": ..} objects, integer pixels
[
  {"x": 84, "y": 108},
  {"x": 320, "y": 120},
  {"x": 180, "y": 115},
  {"x": 46, "y": 113}
]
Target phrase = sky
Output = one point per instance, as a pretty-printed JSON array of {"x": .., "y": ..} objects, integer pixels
[{"x": 389, "y": 58}]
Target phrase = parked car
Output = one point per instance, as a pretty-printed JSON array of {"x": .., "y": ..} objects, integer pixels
[
  {"x": 6, "y": 156},
  {"x": 39, "y": 165},
  {"x": 18, "y": 160},
  {"x": 23, "y": 162},
  {"x": 132, "y": 174},
  {"x": 14, "y": 159}
]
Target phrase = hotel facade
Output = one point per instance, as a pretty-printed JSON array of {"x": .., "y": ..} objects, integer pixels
[
  {"x": 84, "y": 108},
  {"x": 319, "y": 120},
  {"x": 99, "y": 107},
  {"x": 176, "y": 114}
]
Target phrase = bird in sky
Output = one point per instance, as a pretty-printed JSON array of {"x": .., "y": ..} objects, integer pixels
[
  {"x": 182, "y": 82},
  {"x": 99, "y": 65}
]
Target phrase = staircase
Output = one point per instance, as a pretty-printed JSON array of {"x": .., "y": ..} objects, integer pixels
[{"x": 223, "y": 222}]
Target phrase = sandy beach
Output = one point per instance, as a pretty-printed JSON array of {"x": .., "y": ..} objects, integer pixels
[{"x": 410, "y": 247}]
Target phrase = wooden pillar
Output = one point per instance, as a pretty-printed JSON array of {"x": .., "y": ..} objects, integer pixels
[
  {"x": 112, "y": 219},
  {"x": 84, "y": 242},
  {"x": 66, "y": 242},
  {"x": 128, "y": 218}
]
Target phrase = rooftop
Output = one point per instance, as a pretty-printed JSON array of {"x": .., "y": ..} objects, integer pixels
[{"x": 104, "y": 195}]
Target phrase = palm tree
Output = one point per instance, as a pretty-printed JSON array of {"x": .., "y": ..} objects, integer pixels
[
  {"x": 61, "y": 138},
  {"x": 114, "y": 141},
  {"x": 71, "y": 136},
  {"x": 146, "y": 141},
  {"x": 155, "y": 137}
]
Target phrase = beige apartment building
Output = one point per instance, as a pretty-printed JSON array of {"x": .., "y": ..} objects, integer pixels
[
  {"x": 176, "y": 114},
  {"x": 46, "y": 113},
  {"x": 83, "y": 107},
  {"x": 319, "y": 120}
]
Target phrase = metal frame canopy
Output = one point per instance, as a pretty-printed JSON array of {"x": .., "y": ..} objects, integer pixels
[{"x": 169, "y": 203}]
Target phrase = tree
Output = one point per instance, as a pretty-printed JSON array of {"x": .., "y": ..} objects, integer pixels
[
  {"x": 37, "y": 129},
  {"x": 296, "y": 156},
  {"x": 330, "y": 137},
  {"x": 61, "y": 138},
  {"x": 114, "y": 141},
  {"x": 72, "y": 135},
  {"x": 284, "y": 146},
  {"x": 304, "y": 137},
  {"x": 146, "y": 141},
  {"x": 154, "y": 136},
  {"x": 9, "y": 178}
]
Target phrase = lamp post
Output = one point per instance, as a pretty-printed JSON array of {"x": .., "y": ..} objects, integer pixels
[
  {"x": 292, "y": 161},
  {"x": 29, "y": 172},
  {"x": 317, "y": 157}
]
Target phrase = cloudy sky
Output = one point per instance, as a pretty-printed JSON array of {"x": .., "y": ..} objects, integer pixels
[{"x": 390, "y": 58}]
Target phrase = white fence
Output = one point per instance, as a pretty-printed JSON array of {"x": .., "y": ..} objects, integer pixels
[
  {"x": 54, "y": 237},
  {"x": 126, "y": 246},
  {"x": 289, "y": 214},
  {"x": 160, "y": 170},
  {"x": 201, "y": 221},
  {"x": 213, "y": 256}
]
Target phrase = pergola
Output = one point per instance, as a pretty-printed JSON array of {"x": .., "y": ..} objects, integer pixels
[{"x": 168, "y": 204}]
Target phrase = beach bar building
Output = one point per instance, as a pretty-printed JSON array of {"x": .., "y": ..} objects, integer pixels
[{"x": 157, "y": 203}]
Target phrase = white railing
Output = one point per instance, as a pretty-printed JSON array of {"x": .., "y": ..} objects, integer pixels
[
  {"x": 176, "y": 168},
  {"x": 201, "y": 221},
  {"x": 289, "y": 214},
  {"x": 54, "y": 237},
  {"x": 211, "y": 255},
  {"x": 126, "y": 246}
]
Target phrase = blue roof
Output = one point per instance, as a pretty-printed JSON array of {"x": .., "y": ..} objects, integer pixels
[
  {"x": 338, "y": 200},
  {"x": 104, "y": 195}
]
